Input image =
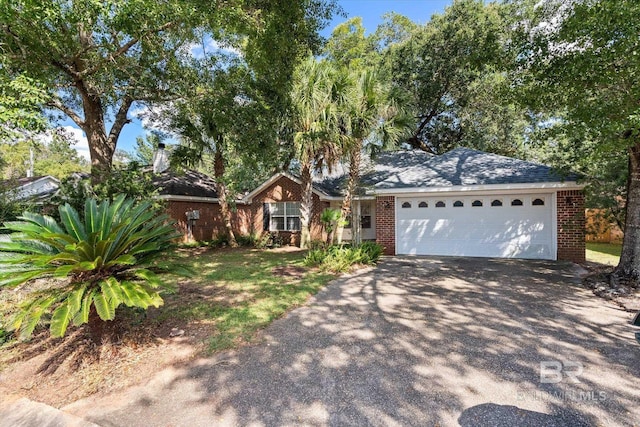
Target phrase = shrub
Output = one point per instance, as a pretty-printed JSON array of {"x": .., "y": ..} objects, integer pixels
[
  {"x": 248, "y": 240},
  {"x": 108, "y": 257},
  {"x": 339, "y": 258},
  {"x": 269, "y": 240},
  {"x": 221, "y": 240},
  {"x": 132, "y": 180}
]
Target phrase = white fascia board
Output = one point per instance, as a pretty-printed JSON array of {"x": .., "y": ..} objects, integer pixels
[
  {"x": 177, "y": 198},
  {"x": 341, "y": 198},
  {"x": 487, "y": 189},
  {"x": 47, "y": 178},
  {"x": 249, "y": 197}
]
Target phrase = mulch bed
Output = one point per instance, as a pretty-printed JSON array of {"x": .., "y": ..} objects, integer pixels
[{"x": 622, "y": 292}]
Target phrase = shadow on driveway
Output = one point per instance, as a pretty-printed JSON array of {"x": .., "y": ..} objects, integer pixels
[{"x": 416, "y": 341}]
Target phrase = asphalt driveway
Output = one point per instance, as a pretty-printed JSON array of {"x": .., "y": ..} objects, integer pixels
[{"x": 417, "y": 341}]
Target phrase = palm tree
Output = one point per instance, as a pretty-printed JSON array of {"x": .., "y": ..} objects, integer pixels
[
  {"x": 210, "y": 124},
  {"x": 318, "y": 90},
  {"x": 370, "y": 114}
]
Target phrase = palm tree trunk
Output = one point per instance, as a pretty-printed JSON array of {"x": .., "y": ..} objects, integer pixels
[
  {"x": 306, "y": 206},
  {"x": 221, "y": 188},
  {"x": 355, "y": 156}
]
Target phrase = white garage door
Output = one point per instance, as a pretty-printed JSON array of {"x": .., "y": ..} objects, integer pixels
[{"x": 517, "y": 226}]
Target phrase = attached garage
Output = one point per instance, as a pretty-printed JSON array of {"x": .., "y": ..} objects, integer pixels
[
  {"x": 466, "y": 203},
  {"x": 478, "y": 225}
]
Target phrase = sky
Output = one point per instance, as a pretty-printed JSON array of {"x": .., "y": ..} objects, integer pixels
[{"x": 371, "y": 11}]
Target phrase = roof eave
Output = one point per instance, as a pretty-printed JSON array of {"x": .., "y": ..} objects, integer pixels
[
  {"x": 182, "y": 198},
  {"x": 524, "y": 187}
]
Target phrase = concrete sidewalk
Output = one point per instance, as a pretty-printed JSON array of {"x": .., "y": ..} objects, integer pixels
[{"x": 27, "y": 413}]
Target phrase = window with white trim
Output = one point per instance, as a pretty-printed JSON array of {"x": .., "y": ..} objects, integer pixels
[
  {"x": 284, "y": 216},
  {"x": 365, "y": 217}
]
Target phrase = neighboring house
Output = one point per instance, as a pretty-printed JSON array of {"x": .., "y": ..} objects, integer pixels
[
  {"x": 462, "y": 203},
  {"x": 36, "y": 189}
]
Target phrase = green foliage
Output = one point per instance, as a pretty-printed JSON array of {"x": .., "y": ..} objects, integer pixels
[
  {"x": 21, "y": 99},
  {"x": 331, "y": 220},
  {"x": 242, "y": 291},
  {"x": 146, "y": 146},
  {"x": 348, "y": 46},
  {"x": 577, "y": 65},
  {"x": 340, "y": 258},
  {"x": 131, "y": 180},
  {"x": 447, "y": 73},
  {"x": 10, "y": 206},
  {"x": 53, "y": 155},
  {"x": 109, "y": 255},
  {"x": 95, "y": 59}
]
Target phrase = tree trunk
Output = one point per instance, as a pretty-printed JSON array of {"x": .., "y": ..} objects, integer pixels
[
  {"x": 352, "y": 185},
  {"x": 100, "y": 150},
  {"x": 306, "y": 207},
  {"x": 629, "y": 265},
  {"x": 221, "y": 188}
]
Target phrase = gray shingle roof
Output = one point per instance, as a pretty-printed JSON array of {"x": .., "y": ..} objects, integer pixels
[
  {"x": 189, "y": 183},
  {"x": 461, "y": 166}
]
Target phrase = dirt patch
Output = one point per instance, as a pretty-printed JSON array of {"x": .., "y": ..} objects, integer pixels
[
  {"x": 289, "y": 271},
  {"x": 624, "y": 293},
  {"x": 135, "y": 346}
]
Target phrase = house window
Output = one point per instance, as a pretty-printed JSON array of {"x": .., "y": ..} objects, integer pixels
[
  {"x": 538, "y": 202},
  {"x": 285, "y": 216},
  {"x": 406, "y": 205},
  {"x": 477, "y": 203},
  {"x": 365, "y": 217},
  {"x": 458, "y": 204},
  {"x": 496, "y": 202},
  {"x": 516, "y": 202},
  {"x": 440, "y": 204},
  {"x": 423, "y": 205}
]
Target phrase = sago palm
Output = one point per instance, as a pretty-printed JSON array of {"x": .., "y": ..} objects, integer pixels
[{"x": 107, "y": 257}]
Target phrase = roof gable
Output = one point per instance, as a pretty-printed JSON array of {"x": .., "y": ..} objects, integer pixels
[{"x": 249, "y": 197}]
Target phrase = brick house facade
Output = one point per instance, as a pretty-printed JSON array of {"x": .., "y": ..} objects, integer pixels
[
  {"x": 535, "y": 215},
  {"x": 247, "y": 217}
]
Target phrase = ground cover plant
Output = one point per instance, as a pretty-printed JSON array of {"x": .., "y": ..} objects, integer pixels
[{"x": 341, "y": 258}]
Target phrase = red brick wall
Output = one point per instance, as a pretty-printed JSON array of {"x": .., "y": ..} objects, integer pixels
[
  {"x": 386, "y": 223},
  {"x": 287, "y": 190},
  {"x": 246, "y": 219},
  {"x": 210, "y": 224},
  {"x": 571, "y": 225}
]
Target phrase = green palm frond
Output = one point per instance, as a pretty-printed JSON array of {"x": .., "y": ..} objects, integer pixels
[{"x": 108, "y": 255}]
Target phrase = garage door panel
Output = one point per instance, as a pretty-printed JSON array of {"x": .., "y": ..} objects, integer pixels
[{"x": 506, "y": 231}]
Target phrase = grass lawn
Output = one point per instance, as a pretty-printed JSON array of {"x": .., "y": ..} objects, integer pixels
[
  {"x": 604, "y": 253},
  {"x": 236, "y": 292},
  {"x": 232, "y": 295}
]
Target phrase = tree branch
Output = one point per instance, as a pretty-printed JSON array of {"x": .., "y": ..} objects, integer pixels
[
  {"x": 23, "y": 51},
  {"x": 120, "y": 120},
  {"x": 124, "y": 49},
  {"x": 57, "y": 104}
]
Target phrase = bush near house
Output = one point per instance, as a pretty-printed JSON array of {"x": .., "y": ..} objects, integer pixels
[
  {"x": 91, "y": 263},
  {"x": 340, "y": 258}
]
